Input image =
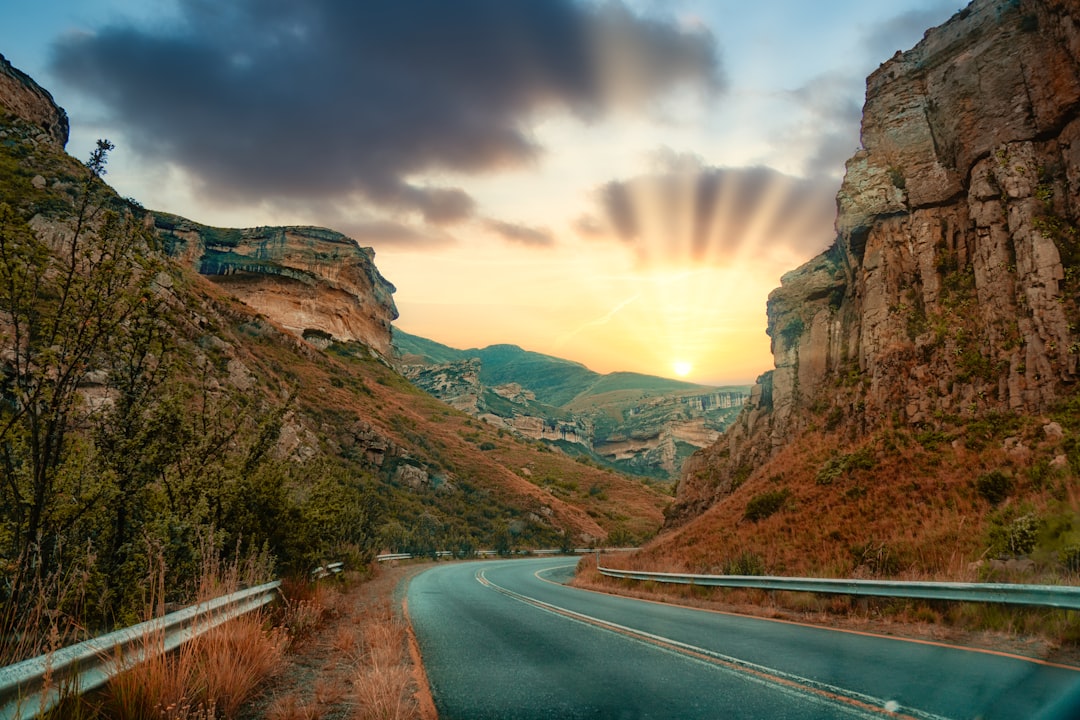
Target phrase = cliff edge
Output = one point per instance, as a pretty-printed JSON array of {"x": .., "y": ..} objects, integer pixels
[
  {"x": 24, "y": 98},
  {"x": 952, "y": 287},
  {"x": 315, "y": 283}
]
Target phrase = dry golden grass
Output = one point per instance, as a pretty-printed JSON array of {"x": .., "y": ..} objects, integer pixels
[
  {"x": 292, "y": 708},
  {"x": 355, "y": 664},
  {"x": 383, "y": 680},
  {"x": 213, "y": 675},
  {"x": 915, "y": 515}
]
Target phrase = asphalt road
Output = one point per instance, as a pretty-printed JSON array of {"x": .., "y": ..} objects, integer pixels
[{"x": 503, "y": 639}]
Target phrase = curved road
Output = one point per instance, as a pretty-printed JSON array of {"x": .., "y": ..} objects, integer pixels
[{"x": 503, "y": 639}]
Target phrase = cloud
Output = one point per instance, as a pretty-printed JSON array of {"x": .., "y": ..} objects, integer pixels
[
  {"x": 521, "y": 234},
  {"x": 831, "y": 113},
  {"x": 697, "y": 213},
  {"x": 264, "y": 99},
  {"x": 588, "y": 226}
]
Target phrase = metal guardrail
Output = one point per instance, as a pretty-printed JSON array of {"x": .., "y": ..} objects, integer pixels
[
  {"x": 35, "y": 686},
  {"x": 331, "y": 569},
  {"x": 1056, "y": 596},
  {"x": 492, "y": 553}
]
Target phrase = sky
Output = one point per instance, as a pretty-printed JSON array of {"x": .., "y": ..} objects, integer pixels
[{"x": 620, "y": 183}]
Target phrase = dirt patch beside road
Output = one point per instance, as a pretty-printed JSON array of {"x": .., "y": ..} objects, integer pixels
[{"x": 357, "y": 662}]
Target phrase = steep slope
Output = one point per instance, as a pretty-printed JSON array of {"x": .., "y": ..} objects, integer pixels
[
  {"x": 936, "y": 339},
  {"x": 640, "y": 424}
]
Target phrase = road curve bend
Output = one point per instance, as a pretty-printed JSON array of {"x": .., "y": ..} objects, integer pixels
[{"x": 505, "y": 639}]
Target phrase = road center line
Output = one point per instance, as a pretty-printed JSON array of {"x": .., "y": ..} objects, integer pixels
[{"x": 850, "y": 699}]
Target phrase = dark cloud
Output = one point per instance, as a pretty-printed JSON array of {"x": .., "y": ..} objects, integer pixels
[
  {"x": 521, "y": 234},
  {"x": 271, "y": 99},
  {"x": 729, "y": 208}
]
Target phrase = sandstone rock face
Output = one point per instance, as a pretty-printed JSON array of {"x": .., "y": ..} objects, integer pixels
[
  {"x": 24, "y": 98},
  {"x": 953, "y": 284},
  {"x": 316, "y": 283}
]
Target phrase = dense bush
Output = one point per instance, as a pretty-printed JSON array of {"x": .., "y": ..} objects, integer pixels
[
  {"x": 766, "y": 504},
  {"x": 994, "y": 486}
]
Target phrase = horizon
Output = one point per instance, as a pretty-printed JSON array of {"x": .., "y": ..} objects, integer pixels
[{"x": 618, "y": 184}]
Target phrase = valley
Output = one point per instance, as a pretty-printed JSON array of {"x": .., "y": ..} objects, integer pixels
[{"x": 638, "y": 424}]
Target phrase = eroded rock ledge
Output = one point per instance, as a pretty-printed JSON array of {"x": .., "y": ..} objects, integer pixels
[{"x": 316, "y": 283}]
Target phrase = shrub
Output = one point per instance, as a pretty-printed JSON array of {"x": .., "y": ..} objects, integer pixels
[
  {"x": 861, "y": 459},
  {"x": 746, "y": 563},
  {"x": 793, "y": 331},
  {"x": 1069, "y": 557},
  {"x": 766, "y": 504},
  {"x": 877, "y": 557},
  {"x": 1014, "y": 537},
  {"x": 994, "y": 486}
]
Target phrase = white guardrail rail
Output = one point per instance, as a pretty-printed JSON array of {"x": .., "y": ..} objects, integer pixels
[
  {"x": 35, "y": 686},
  {"x": 1055, "y": 596}
]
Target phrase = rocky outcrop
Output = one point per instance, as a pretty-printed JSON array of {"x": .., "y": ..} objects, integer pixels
[
  {"x": 456, "y": 383},
  {"x": 316, "y": 283},
  {"x": 953, "y": 284},
  {"x": 25, "y": 99}
]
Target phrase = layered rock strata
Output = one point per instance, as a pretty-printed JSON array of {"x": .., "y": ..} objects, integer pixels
[
  {"x": 316, "y": 283},
  {"x": 952, "y": 288}
]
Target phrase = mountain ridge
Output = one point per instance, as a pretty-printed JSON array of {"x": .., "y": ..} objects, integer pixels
[{"x": 640, "y": 424}]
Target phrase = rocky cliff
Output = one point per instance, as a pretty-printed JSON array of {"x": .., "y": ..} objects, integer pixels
[
  {"x": 952, "y": 288},
  {"x": 24, "y": 98},
  {"x": 316, "y": 283}
]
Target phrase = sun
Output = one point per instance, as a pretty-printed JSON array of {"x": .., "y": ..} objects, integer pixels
[{"x": 682, "y": 368}]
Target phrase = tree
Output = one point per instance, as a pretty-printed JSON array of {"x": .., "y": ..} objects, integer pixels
[{"x": 64, "y": 298}]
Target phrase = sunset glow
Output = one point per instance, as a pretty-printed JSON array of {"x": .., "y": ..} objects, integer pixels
[{"x": 620, "y": 184}]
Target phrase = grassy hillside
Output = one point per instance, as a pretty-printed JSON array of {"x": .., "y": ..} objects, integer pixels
[
  {"x": 428, "y": 351},
  {"x": 951, "y": 504}
]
